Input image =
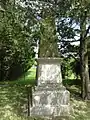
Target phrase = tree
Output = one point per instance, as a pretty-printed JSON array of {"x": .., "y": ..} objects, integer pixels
[
  {"x": 16, "y": 45},
  {"x": 82, "y": 11},
  {"x": 79, "y": 14}
]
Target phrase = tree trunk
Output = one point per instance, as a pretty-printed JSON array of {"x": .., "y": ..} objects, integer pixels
[
  {"x": 86, "y": 71},
  {"x": 84, "y": 61},
  {"x": 82, "y": 73}
]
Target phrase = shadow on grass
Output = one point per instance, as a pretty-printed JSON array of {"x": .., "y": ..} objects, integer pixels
[
  {"x": 27, "y": 78},
  {"x": 13, "y": 101},
  {"x": 73, "y": 86},
  {"x": 81, "y": 108},
  {"x": 14, "y": 96}
]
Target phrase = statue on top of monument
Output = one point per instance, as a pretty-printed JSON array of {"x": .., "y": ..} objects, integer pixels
[{"x": 48, "y": 39}]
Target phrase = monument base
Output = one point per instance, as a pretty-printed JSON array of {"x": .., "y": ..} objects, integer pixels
[
  {"x": 50, "y": 99},
  {"x": 50, "y": 102}
]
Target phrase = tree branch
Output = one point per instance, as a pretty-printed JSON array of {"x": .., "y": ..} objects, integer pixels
[
  {"x": 69, "y": 41},
  {"x": 87, "y": 31}
]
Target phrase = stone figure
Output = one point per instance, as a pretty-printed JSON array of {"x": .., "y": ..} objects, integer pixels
[{"x": 48, "y": 39}]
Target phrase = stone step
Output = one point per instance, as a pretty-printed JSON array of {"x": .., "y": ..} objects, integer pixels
[
  {"x": 50, "y": 87},
  {"x": 51, "y": 97},
  {"x": 47, "y": 110}
]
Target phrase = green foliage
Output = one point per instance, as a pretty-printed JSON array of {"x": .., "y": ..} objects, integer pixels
[
  {"x": 16, "y": 45},
  {"x": 66, "y": 68},
  {"x": 75, "y": 65}
]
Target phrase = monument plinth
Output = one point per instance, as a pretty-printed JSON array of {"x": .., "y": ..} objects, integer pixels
[{"x": 50, "y": 97}]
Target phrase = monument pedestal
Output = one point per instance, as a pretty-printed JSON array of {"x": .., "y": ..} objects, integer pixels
[{"x": 50, "y": 97}]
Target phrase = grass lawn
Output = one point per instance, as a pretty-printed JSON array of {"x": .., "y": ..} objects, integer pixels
[
  {"x": 80, "y": 108},
  {"x": 13, "y": 99},
  {"x": 13, "y": 96}
]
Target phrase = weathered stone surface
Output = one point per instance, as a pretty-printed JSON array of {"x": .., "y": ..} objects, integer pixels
[
  {"x": 53, "y": 97},
  {"x": 49, "y": 71},
  {"x": 50, "y": 97},
  {"x": 89, "y": 87},
  {"x": 47, "y": 110}
]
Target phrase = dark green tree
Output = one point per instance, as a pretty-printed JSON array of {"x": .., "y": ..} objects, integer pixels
[{"x": 16, "y": 44}]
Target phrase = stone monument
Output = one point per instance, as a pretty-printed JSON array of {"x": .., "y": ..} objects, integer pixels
[{"x": 50, "y": 98}]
